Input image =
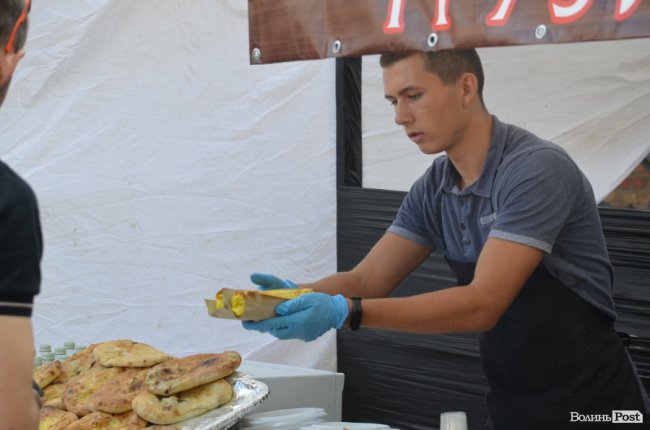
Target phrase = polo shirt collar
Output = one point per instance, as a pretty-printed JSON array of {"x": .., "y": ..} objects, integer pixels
[{"x": 482, "y": 187}]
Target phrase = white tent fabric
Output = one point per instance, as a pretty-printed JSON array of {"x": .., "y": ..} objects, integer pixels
[
  {"x": 592, "y": 98},
  {"x": 166, "y": 168}
]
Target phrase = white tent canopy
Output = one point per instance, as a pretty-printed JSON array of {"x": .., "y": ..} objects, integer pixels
[{"x": 167, "y": 167}]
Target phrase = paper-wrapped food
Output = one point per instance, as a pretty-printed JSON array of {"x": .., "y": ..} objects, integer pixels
[{"x": 253, "y": 305}]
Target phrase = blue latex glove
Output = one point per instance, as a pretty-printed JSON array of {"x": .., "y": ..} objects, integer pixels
[
  {"x": 265, "y": 281},
  {"x": 306, "y": 317}
]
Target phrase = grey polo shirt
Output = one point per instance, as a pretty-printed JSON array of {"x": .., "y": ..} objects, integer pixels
[{"x": 530, "y": 192}]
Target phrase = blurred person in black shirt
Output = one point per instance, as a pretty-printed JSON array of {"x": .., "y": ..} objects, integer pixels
[{"x": 20, "y": 254}]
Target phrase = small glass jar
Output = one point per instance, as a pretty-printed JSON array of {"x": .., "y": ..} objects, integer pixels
[
  {"x": 69, "y": 346},
  {"x": 47, "y": 357}
]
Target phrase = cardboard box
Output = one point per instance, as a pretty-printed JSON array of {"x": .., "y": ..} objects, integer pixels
[{"x": 296, "y": 387}]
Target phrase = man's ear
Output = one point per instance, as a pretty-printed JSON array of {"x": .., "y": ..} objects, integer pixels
[
  {"x": 469, "y": 86},
  {"x": 8, "y": 63}
]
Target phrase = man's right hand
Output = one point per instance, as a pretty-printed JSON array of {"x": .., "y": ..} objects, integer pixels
[{"x": 265, "y": 281}]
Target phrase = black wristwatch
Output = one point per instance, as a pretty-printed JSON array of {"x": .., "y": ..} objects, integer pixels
[
  {"x": 37, "y": 388},
  {"x": 355, "y": 315}
]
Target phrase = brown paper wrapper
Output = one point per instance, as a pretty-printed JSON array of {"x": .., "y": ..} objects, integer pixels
[{"x": 250, "y": 305}]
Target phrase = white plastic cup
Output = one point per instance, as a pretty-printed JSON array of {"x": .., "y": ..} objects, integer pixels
[{"x": 453, "y": 420}]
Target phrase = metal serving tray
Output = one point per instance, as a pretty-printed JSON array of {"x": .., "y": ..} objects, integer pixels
[{"x": 248, "y": 394}]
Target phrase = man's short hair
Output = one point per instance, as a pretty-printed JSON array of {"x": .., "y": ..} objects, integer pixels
[
  {"x": 10, "y": 10},
  {"x": 449, "y": 65}
]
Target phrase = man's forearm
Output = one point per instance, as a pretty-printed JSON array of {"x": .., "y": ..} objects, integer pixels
[
  {"x": 19, "y": 408},
  {"x": 344, "y": 283},
  {"x": 26, "y": 416}
]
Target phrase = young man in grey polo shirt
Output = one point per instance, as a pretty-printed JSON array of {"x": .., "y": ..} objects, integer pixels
[{"x": 518, "y": 223}]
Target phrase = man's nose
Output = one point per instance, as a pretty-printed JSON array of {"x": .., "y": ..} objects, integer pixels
[{"x": 402, "y": 114}]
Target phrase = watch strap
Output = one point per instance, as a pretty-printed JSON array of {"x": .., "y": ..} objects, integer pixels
[{"x": 356, "y": 313}]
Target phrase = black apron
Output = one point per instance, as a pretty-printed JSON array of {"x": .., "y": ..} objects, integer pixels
[{"x": 551, "y": 354}]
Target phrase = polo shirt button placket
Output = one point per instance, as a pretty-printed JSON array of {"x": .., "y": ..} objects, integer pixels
[{"x": 461, "y": 203}]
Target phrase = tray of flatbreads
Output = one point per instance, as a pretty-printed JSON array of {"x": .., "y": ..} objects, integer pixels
[{"x": 127, "y": 385}]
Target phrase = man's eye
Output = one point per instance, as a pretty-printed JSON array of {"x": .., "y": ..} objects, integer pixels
[{"x": 414, "y": 96}]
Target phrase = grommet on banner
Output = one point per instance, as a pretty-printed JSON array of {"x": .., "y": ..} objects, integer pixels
[
  {"x": 336, "y": 46},
  {"x": 540, "y": 31},
  {"x": 432, "y": 40},
  {"x": 256, "y": 54}
]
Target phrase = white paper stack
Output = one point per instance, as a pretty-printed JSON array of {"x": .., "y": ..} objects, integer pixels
[
  {"x": 342, "y": 425},
  {"x": 284, "y": 419}
]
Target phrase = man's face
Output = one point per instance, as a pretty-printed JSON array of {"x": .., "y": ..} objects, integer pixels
[{"x": 429, "y": 111}]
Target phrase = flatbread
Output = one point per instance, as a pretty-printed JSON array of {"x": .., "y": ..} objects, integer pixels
[
  {"x": 55, "y": 419},
  {"x": 53, "y": 391},
  {"x": 184, "y": 405},
  {"x": 78, "y": 391},
  {"x": 115, "y": 396},
  {"x": 252, "y": 305},
  {"x": 55, "y": 403},
  {"x": 53, "y": 395},
  {"x": 127, "y": 353},
  {"x": 77, "y": 364},
  {"x": 45, "y": 374},
  {"x": 163, "y": 427},
  {"x": 192, "y": 371},
  {"x": 103, "y": 421}
]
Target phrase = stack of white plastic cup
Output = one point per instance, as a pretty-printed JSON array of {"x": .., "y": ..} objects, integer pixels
[{"x": 453, "y": 420}]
